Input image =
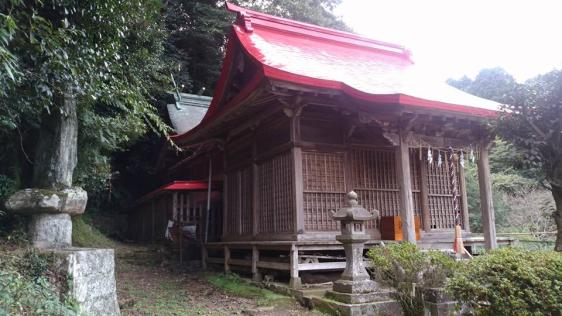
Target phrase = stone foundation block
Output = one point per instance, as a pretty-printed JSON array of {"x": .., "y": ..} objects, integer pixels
[
  {"x": 51, "y": 230},
  {"x": 381, "y": 308},
  {"x": 355, "y": 287},
  {"x": 359, "y": 298},
  {"x": 92, "y": 275}
]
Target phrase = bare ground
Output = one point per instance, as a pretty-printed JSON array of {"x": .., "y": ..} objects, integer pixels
[{"x": 147, "y": 284}]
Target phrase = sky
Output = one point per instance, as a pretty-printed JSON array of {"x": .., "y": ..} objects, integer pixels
[{"x": 452, "y": 38}]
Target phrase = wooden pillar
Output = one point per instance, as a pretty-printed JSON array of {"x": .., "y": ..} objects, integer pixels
[
  {"x": 224, "y": 205},
  {"x": 424, "y": 192},
  {"x": 255, "y": 188},
  {"x": 175, "y": 206},
  {"x": 464, "y": 200},
  {"x": 153, "y": 218},
  {"x": 404, "y": 177},
  {"x": 226, "y": 259},
  {"x": 486, "y": 203},
  {"x": 299, "y": 194},
  {"x": 204, "y": 256},
  {"x": 256, "y": 275},
  {"x": 297, "y": 174},
  {"x": 295, "y": 281}
]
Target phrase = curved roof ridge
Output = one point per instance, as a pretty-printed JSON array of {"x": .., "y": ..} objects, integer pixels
[{"x": 248, "y": 17}]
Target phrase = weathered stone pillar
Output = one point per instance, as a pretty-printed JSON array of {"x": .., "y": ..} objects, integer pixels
[
  {"x": 50, "y": 210},
  {"x": 51, "y": 204}
]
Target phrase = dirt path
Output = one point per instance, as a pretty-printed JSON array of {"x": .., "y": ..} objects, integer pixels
[{"x": 147, "y": 284}]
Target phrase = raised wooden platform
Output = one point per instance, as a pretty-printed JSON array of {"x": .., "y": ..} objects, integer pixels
[{"x": 311, "y": 255}]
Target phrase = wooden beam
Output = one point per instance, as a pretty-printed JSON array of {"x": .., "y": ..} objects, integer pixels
[
  {"x": 283, "y": 266},
  {"x": 404, "y": 177},
  {"x": 417, "y": 140},
  {"x": 486, "y": 203},
  {"x": 424, "y": 192}
]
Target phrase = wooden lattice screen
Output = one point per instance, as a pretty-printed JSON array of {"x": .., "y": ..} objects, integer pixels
[
  {"x": 233, "y": 202},
  {"x": 239, "y": 206},
  {"x": 276, "y": 194},
  {"x": 187, "y": 211},
  {"x": 373, "y": 177},
  {"x": 324, "y": 188}
]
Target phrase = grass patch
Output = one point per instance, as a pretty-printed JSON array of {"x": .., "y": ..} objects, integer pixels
[
  {"x": 235, "y": 285},
  {"x": 86, "y": 235}
]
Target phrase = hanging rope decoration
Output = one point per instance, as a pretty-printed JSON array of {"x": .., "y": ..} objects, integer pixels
[{"x": 453, "y": 182}]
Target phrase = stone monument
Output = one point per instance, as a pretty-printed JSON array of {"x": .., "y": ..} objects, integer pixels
[
  {"x": 355, "y": 293},
  {"x": 52, "y": 203}
]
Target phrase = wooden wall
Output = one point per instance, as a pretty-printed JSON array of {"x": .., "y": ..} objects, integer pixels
[{"x": 260, "y": 191}]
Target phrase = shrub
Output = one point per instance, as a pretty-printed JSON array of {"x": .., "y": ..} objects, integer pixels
[
  {"x": 29, "y": 285},
  {"x": 403, "y": 266},
  {"x": 511, "y": 281}
]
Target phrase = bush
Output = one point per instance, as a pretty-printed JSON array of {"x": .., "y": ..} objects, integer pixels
[
  {"x": 511, "y": 281},
  {"x": 29, "y": 285},
  {"x": 403, "y": 266}
]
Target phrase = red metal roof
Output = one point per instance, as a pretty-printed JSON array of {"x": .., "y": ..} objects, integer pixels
[
  {"x": 175, "y": 186},
  {"x": 305, "y": 54}
]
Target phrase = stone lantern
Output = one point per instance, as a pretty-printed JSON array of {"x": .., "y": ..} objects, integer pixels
[{"x": 355, "y": 284}]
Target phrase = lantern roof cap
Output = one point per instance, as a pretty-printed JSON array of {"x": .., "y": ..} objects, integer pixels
[{"x": 354, "y": 212}]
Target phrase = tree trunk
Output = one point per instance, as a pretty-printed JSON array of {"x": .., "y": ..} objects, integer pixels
[
  {"x": 557, "y": 195},
  {"x": 56, "y": 155}
]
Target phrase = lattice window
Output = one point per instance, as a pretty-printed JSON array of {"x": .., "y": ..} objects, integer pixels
[
  {"x": 246, "y": 188},
  {"x": 323, "y": 172},
  {"x": 374, "y": 179},
  {"x": 324, "y": 188},
  {"x": 233, "y": 202},
  {"x": 239, "y": 205},
  {"x": 276, "y": 194}
]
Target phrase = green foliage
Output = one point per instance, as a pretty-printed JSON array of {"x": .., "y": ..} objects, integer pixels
[
  {"x": 7, "y": 187},
  {"x": 27, "y": 286},
  {"x": 402, "y": 265},
  {"x": 510, "y": 281},
  {"x": 531, "y": 123},
  {"x": 319, "y": 12},
  {"x": 493, "y": 83},
  {"x": 195, "y": 46}
]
